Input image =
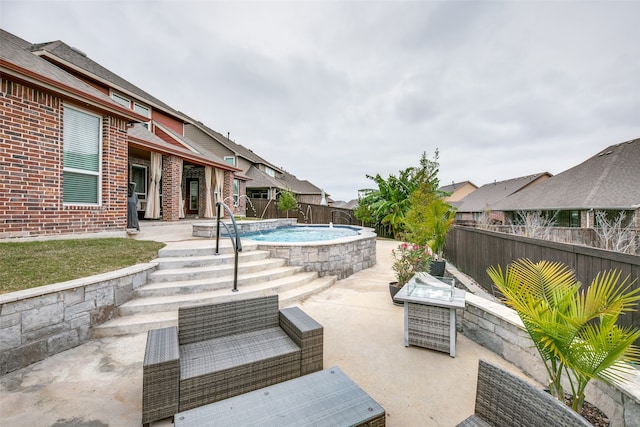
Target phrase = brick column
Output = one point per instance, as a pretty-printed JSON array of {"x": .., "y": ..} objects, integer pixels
[{"x": 171, "y": 173}]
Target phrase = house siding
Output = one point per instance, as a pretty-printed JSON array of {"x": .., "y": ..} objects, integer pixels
[{"x": 31, "y": 203}]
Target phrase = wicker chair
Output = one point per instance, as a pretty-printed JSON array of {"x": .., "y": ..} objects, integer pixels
[
  {"x": 223, "y": 350},
  {"x": 503, "y": 399}
]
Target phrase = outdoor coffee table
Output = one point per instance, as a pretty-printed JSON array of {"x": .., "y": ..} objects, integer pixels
[
  {"x": 430, "y": 312},
  {"x": 323, "y": 398}
]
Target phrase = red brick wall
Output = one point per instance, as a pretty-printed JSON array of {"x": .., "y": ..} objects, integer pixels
[{"x": 31, "y": 169}]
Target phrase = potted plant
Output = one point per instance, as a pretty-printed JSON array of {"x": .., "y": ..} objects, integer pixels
[
  {"x": 410, "y": 258},
  {"x": 429, "y": 222},
  {"x": 574, "y": 330}
]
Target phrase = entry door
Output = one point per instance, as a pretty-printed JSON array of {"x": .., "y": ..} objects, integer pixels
[{"x": 193, "y": 200}]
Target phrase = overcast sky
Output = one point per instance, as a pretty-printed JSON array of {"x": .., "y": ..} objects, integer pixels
[{"x": 334, "y": 90}]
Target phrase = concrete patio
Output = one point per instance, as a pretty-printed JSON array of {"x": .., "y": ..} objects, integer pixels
[{"x": 99, "y": 383}]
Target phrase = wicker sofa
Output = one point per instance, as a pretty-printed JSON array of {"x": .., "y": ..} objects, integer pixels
[
  {"x": 503, "y": 399},
  {"x": 223, "y": 350}
]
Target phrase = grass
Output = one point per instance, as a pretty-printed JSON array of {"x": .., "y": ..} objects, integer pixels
[{"x": 25, "y": 265}]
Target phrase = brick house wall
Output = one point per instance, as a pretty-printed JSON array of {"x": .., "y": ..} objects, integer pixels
[
  {"x": 31, "y": 199},
  {"x": 171, "y": 172}
]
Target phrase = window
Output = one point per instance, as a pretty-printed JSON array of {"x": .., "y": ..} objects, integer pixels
[
  {"x": 567, "y": 219},
  {"x": 82, "y": 143},
  {"x": 230, "y": 160},
  {"x": 143, "y": 111},
  {"x": 121, "y": 100},
  {"x": 236, "y": 192},
  {"x": 269, "y": 171}
]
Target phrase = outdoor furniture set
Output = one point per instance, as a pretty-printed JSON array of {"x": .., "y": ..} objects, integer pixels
[{"x": 229, "y": 349}]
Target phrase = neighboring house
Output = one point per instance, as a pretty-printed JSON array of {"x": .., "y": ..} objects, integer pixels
[
  {"x": 74, "y": 135},
  {"x": 458, "y": 190},
  {"x": 481, "y": 204},
  {"x": 608, "y": 181},
  {"x": 351, "y": 204},
  {"x": 305, "y": 191},
  {"x": 264, "y": 179}
]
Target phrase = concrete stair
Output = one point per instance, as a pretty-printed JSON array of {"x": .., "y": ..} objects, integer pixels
[{"x": 191, "y": 274}]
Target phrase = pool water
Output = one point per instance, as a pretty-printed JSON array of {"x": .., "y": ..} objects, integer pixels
[{"x": 301, "y": 234}]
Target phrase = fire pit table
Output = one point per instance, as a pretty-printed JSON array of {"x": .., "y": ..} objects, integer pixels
[{"x": 430, "y": 305}]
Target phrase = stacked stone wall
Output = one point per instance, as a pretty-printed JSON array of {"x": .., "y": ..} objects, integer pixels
[{"x": 38, "y": 323}]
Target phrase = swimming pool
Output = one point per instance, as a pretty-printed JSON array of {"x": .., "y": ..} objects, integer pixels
[
  {"x": 302, "y": 234},
  {"x": 340, "y": 256}
]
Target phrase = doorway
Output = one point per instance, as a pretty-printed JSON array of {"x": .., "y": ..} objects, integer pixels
[{"x": 193, "y": 197}]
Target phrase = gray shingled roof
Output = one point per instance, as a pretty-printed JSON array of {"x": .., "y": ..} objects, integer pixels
[
  {"x": 299, "y": 186},
  {"x": 260, "y": 179},
  {"x": 487, "y": 196},
  {"x": 454, "y": 186},
  {"x": 608, "y": 180},
  {"x": 68, "y": 54},
  {"x": 239, "y": 149},
  {"x": 14, "y": 51}
]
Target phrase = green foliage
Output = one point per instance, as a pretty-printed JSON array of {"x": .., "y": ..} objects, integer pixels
[
  {"x": 25, "y": 265},
  {"x": 389, "y": 203},
  {"x": 410, "y": 259},
  {"x": 438, "y": 218},
  {"x": 287, "y": 201},
  {"x": 575, "y": 331}
]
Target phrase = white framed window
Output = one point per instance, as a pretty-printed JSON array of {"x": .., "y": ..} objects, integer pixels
[
  {"x": 143, "y": 110},
  {"x": 82, "y": 158},
  {"x": 236, "y": 192},
  {"x": 269, "y": 171},
  {"x": 230, "y": 160},
  {"x": 125, "y": 102}
]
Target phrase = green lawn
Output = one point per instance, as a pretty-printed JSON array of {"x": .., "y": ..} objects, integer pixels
[{"x": 25, "y": 265}]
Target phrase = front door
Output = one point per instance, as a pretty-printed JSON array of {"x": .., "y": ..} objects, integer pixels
[{"x": 193, "y": 200}]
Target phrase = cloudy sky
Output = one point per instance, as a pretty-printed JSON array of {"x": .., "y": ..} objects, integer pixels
[{"x": 334, "y": 90}]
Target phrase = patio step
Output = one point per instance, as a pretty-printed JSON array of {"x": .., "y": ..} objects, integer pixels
[
  {"x": 188, "y": 276},
  {"x": 146, "y": 318},
  {"x": 163, "y": 275}
]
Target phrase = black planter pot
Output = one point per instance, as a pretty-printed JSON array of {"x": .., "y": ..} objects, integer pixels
[
  {"x": 394, "y": 288},
  {"x": 437, "y": 268}
]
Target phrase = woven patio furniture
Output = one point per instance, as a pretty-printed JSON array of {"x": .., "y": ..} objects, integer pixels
[
  {"x": 223, "y": 350},
  {"x": 502, "y": 399},
  {"x": 325, "y": 398}
]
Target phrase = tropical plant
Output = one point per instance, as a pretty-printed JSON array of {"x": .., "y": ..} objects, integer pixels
[
  {"x": 287, "y": 201},
  {"x": 388, "y": 204},
  {"x": 429, "y": 222},
  {"x": 410, "y": 258},
  {"x": 574, "y": 330}
]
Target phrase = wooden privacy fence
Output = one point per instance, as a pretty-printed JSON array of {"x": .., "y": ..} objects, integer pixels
[
  {"x": 306, "y": 213},
  {"x": 473, "y": 251}
]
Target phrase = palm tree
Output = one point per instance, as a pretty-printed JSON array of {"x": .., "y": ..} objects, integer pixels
[{"x": 575, "y": 331}]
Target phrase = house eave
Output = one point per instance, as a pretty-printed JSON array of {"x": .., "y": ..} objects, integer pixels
[
  {"x": 164, "y": 149},
  {"x": 67, "y": 92},
  {"x": 110, "y": 84}
]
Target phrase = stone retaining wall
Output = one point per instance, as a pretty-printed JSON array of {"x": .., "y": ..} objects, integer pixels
[
  {"x": 40, "y": 322},
  {"x": 499, "y": 329},
  {"x": 340, "y": 257}
]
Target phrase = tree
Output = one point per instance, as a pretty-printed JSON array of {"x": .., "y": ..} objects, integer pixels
[
  {"x": 575, "y": 331},
  {"x": 388, "y": 204},
  {"x": 287, "y": 201}
]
